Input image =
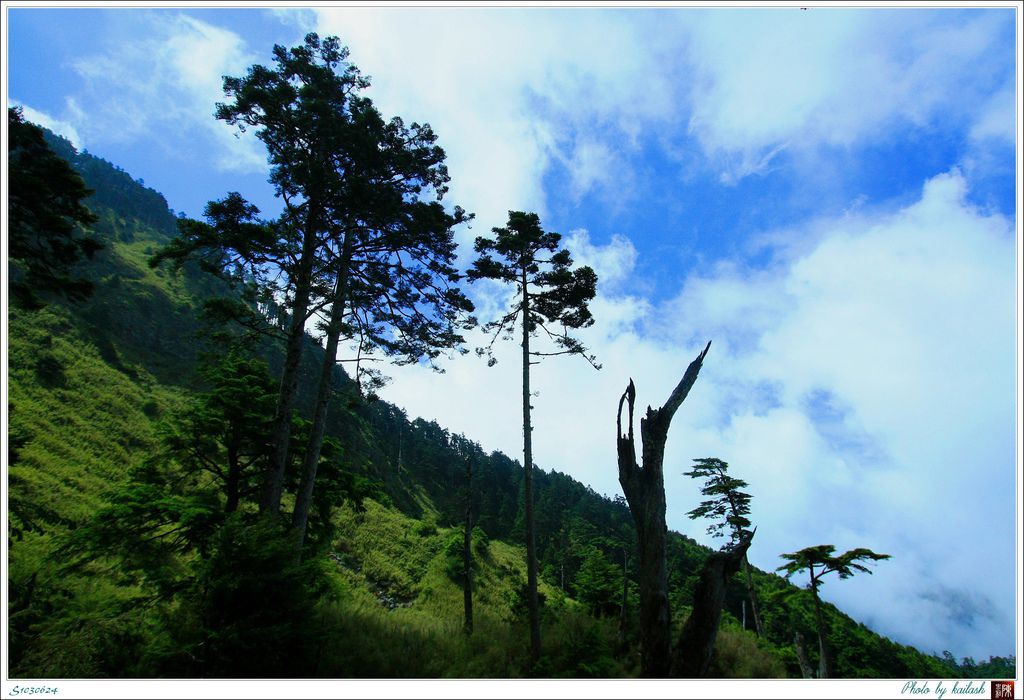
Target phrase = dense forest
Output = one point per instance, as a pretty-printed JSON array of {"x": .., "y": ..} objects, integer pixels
[{"x": 162, "y": 515}]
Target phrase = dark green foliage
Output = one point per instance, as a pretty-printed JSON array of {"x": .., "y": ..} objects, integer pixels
[
  {"x": 480, "y": 541},
  {"x": 740, "y": 654},
  {"x": 225, "y": 431},
  {"x": 125, "y": 200},
  {"x": 147, "y": 526},
  {"x": 359, "y": 236},
  {"x": 45, "y": 215},
  {"x": 453, "y": 552},
  {"x": 728, "y": 508},
  {"x": 24, "y": 515},
  {"x": 245, "y": 613},
  {"x": 453, "y": 561},
  {"x": 818, "y": 561},
  {"x": 997, "y": 667},
  {"x": 579, "y": 646},
  {"x": 598, "y": 584},
  {"x": 518, "y": 600}
]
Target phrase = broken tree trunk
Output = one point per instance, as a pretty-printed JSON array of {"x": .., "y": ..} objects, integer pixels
[
  {"x": 644, "y": 489},
  {"x": 696, "y": 643}
]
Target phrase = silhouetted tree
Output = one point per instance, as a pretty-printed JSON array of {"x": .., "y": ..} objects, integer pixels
[
  {"x": 45, "y": 217},
  {"x": 645, "y": 492},
  {"x": 550, "y": 297},
  {"x": 394, "y": 284},
  {"x": 818, "y": 561}
]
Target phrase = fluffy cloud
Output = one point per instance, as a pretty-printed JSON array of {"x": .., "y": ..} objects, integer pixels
[
  {"x": 516, "y": 94},
  {"x": 507, "y": 90},
  {"x": 765, "y": 82},
  {"x": 863, "y": 374},
  {"x": 166, "y": 81}
]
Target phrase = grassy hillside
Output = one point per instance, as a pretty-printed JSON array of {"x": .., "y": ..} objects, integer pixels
[{"x": 91, "y": 387}]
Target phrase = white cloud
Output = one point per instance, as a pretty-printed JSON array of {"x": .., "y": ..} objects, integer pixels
[
  {"x": 613, "y": 263},
  {"x": 908, "y": 321},
  {"x": 765, "y": 82},
  {"x": 58, "y": 126},
  {"x": 167, "y": 82},
  {"x": 506, "y": 89},
  {"x": 863, "y": 389},
  {"x": 998, "y": 119}
]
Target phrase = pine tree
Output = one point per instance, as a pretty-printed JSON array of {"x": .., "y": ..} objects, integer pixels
[
  {"x": 598, "y": 583},
  {"x": 550, "y": 297},
  {"x": 728, "y": 508},
  {"x": 818, "y": 561},
  {"x": 225, "y": 430}
]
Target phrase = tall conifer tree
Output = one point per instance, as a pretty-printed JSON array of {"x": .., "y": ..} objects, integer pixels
[
  {"x": 551, "y": 297},
  {"x": 819, "y": 561}
]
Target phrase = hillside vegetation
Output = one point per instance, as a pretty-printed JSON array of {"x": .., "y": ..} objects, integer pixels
[{"x": 101, "y": 587}]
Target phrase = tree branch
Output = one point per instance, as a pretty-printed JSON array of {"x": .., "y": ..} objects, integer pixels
[{"x": 679, "y": 394}]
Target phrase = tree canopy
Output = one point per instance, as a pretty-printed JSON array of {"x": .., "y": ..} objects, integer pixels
[
  {"x": 729, "y": 506},
  {"x": 819, "y": 561},
  {"x": 552, "y": 296},
  {"x": 364, "y": 250}
]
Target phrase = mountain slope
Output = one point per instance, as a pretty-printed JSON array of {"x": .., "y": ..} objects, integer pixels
[{"x": 90, "y": 385}]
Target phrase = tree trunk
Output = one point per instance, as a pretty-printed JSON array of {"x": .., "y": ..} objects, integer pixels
[
  {"x": 273, "y": 478},
  {"x": 758, "y": 626},
  {"x": 311, "y": 460},
  {"x": 696, "y": 643},
  {"x": 645, "y": 492},
  {"x": 801, "y": 655},
  {"x": 467, "y": 557},
  {"x": 824, "y": 653},
  {"x": 531, "y": 554},
  {"x": 623, "y": 611}
]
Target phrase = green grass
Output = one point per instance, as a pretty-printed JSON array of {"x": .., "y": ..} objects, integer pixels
[
  {"x": 84, "y": 423},
  {"x": 384, "y": 554}
]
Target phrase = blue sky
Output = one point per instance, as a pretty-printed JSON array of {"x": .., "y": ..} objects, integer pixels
[{"x": 828, "y": 194}]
